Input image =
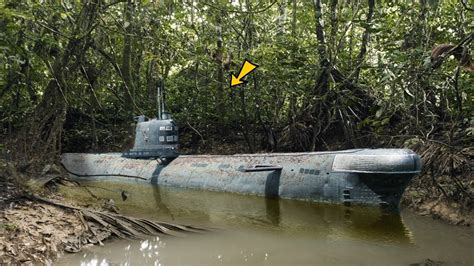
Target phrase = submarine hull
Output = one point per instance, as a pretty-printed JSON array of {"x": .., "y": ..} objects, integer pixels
[{"x": 374, "y": 177}]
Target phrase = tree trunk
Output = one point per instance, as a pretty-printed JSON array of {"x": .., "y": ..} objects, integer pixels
[
  {"x": 333, "y": 33},
  {"x": 322, "y": 83},
  {"x": 127, "y": 58},
  {"x": 293, "y": 19},
  {"x": 45, "y": 128},
  {"x": 365, "y": 40},
  {"x": 151, "y": 83},
  {"x": 91, "y": 74},
  {"x": 220, "y": 106},
  {"x": 282, "y": 16}
]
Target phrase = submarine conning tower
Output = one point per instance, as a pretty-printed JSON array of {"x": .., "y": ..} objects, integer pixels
[{"x": 155, "y": 138}]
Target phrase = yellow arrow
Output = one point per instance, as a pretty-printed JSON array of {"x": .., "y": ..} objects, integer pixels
[{"x": 246, "y": 68}]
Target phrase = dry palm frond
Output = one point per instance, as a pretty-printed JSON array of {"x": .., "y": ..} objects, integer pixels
[{"x": 124, "y": 226}]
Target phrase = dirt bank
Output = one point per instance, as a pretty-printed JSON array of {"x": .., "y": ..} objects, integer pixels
[
  {"x": 445, "y": 188},
  {"x": 31, "y": 232},
  {"x": 450, "y": 206},
  {"x": 37, "y": 233},
  {"x": 37, "y": 225}
]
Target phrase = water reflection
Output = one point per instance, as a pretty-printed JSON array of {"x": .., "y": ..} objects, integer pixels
[
  {"x": 328, "y": 220},
  {"x": 226, "y": 210},
  {"x": 256, "y": 231},
  {"x": 272, "y": 208},
  {"x": 144, "y": 252},
  {"x": 160, "y": 206}
]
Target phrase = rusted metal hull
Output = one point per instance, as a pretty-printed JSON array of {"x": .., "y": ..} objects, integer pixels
[{"x": 366, "y": 177}]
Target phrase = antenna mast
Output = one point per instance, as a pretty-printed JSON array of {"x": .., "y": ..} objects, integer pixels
[{"x": 158, "y": 100}]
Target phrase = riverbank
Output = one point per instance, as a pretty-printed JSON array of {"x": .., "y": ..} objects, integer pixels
[
  {"x": 36, "y": 233},
  {"x": 38, "y": 225},
  {"x": 32, "y": 232},
  {"x": 445, "y": 188},
  {"x": 417, "y": 199}
]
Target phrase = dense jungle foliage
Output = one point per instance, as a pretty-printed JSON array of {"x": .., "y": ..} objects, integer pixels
[{"x": 332, "y": 74}]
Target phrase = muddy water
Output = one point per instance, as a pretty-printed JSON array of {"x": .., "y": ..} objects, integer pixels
[{"x": 247, "y": 230}]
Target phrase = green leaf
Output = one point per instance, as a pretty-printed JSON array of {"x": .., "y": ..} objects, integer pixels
[{"x": 379, "y": 113}]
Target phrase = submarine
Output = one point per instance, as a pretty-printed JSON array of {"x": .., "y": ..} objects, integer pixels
[{"x": 369, "y": 177}]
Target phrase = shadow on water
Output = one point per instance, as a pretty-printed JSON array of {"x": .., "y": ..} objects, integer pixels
[
  {"x": 272, "y": 210},
  {"x": 232, "y": 211},
  {"x": 256, "y": 231}
]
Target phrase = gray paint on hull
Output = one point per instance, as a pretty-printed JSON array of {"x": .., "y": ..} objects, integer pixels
[{"x": 304, "y": 176}]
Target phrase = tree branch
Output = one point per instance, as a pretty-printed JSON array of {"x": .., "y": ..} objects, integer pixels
[
  {"x": 463, "y": 2},
  {"x": 105, "y": 7}
]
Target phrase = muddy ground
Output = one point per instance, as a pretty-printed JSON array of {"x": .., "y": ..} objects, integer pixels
[
  {"x": 445, "y": 188},
  {"x": 438, "y": 208},
  {"x": 33, "y": 233}
]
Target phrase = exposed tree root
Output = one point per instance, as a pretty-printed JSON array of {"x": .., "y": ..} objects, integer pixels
[{"x": 445, "y": 189}]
